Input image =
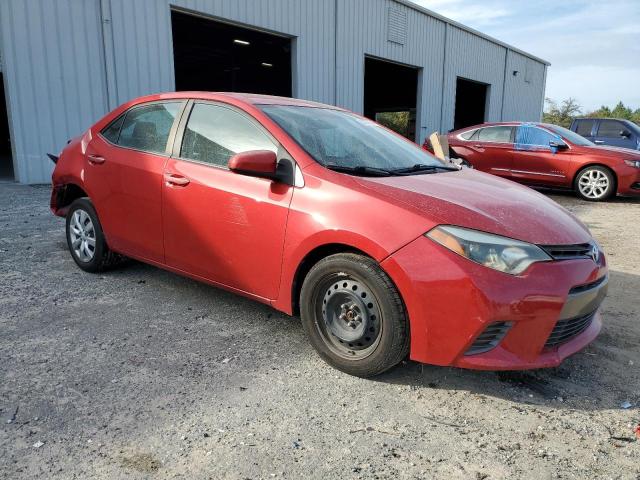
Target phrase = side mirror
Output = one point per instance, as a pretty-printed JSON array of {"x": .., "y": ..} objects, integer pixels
[
  {"x": 625, "y": 134},
  {"x": 558, "y": 145},
  {"x": 256, "y": 163}
]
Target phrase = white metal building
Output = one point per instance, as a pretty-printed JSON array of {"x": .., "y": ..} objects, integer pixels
[{"x": 65, "y": 63}]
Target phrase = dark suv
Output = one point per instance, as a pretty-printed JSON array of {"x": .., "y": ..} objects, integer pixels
[{"x": 608, "y": 131}]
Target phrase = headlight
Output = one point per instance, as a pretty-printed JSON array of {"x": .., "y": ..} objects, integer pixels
[
  {"x": 500, "y": 253},
  {"x": 633, "y": 163}
]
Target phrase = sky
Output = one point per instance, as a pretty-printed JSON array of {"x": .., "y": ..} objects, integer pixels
[{"x": 593, "y": 45}]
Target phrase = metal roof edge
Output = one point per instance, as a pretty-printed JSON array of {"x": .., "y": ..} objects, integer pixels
[{"x": 442, "y": 18}]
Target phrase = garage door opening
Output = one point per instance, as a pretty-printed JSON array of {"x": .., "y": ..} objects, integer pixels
[
  {"x": 391, "y": 95},
  {"x": 471, "y": 103},
  {"x": 216, "y": 56},
  {"x": 6, "y": 163}
]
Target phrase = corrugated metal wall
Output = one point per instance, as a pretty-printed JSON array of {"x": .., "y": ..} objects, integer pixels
[
  {"x": 51, "y": 53},
  {"x": 67, "y": 62}
]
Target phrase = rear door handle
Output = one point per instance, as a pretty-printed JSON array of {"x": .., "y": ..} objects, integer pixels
[
  {"x": 174, "y": 179},
  {"x": 478, "y": 146},
  {"x": 95, "y": 159}
]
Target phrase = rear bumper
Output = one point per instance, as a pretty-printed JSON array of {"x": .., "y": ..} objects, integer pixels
[{"x": 451, "y": 302}]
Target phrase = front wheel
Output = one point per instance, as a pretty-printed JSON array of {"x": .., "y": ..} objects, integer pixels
[
  {"x": 354, "y": 316},
  {"x": 595, "y": 183}
]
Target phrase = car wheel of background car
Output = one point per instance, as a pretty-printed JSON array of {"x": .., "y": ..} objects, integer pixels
[
  {"x": 595, "y": 183},
  {"x": 85, "y": 238},
  {"x": 353, "y": 315}
]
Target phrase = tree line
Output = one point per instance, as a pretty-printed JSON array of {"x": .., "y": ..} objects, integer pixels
[{"x": 563, "y": 113}]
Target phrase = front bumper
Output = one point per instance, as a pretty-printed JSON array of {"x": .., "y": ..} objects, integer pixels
[
  {"x": 451, "y": 301},
  {"x": 628, "y": 180}
]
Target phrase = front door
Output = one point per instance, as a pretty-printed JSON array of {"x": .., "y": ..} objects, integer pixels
[
  {"x": 535, "y": 162},
  {"x": 220, "y": 225},
  {"x": 124, "y": 167}
]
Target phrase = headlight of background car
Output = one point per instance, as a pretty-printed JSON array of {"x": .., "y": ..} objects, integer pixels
[
  {"x": 500, "y": 253},
  {"x": 633, "y": 163}
]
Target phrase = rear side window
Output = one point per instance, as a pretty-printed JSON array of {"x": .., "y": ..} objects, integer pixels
[
  {"x": 215, "y": 133},
  {"x": 495, "y": 134},
  {"x": 610, "y": 128},
  {"x": 584, "y": 127},
  {"x": 147, "y": 127}
]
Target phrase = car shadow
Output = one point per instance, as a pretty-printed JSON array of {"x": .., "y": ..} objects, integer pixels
[{"x": 602, "y": 376}]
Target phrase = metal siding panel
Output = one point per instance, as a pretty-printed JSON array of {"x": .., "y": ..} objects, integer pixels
[
  {"x": 424, "y": 48},
  {"x": 524, "y": 101},
  {"x": 143, "y": 68},
  {"x": 54, "y": 78}
]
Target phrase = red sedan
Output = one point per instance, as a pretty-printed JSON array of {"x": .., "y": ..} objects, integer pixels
[
  {"x": 384, "y": 251},
  {"x": 545, "y": 155}
]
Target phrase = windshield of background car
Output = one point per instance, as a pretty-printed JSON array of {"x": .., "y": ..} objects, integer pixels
[
  {"x": 337, "y": 138},
  {"x": 569, "y": 135}
]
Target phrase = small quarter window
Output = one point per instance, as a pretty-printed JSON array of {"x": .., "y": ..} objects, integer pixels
[
  {"x": 147, "y": 127},
  {"x": 112, "y": 131},
  {"x": 468, "y": 135}
]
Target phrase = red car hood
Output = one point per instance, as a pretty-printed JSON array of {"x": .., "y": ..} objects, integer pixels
[{"x": 484, "y": 202}]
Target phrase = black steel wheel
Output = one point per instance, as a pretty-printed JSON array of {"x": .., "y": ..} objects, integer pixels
[{"x": 353, "y": 315}]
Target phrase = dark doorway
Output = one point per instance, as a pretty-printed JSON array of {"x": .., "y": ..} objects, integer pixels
[
  {"x": 471, "y": 103},
  {"x": 391, "y": 95},
  {"x": 6, "y": 164},
  {"x": 215, "y": 56}
]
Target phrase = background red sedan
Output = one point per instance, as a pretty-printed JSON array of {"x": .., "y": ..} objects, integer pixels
[
  {"x": 547, "y": 155},
  {"x": 382, "y": 249}
]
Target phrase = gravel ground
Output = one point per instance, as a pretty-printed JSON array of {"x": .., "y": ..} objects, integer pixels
[{"x": 139, "y": 373}]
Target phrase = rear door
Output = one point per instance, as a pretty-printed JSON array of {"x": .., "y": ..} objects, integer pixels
[
  {"x": 535, "y": 162},
  {"x": 616, "y": 134},
  {"x": 124, "y": 170},
  {"x": 490, "y": 150},
  {"x": 220, "y": 225}
]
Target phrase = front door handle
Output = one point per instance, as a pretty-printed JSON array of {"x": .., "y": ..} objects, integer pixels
[
  {"x": 175, "y": 179},
  {"x": 599, "y": 142},
  {"x": 95, "y": 159}
]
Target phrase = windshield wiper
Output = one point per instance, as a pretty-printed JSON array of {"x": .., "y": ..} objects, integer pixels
[
  {"x": 421, "y": 167},
  {"x": 360, "y": 170}
]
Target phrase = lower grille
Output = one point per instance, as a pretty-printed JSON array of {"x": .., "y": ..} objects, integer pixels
[
  {"x": 490, "y": 338},
  {"x": 565, "y": 330}
]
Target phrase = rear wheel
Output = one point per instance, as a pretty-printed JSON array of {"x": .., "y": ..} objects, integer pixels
[
  {"x": 85, "y": 238},
  {"x": 353, "y": 315},
  {"x": 595, "y": 183}
]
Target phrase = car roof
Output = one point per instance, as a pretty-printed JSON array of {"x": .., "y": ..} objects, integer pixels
[{"x": 247, "y": 98}]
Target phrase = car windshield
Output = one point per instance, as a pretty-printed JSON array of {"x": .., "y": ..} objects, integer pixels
[
  {"x": 346, "y": 142},
  {"x": 569, "y": 135}
]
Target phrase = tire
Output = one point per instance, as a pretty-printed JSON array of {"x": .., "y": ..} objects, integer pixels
[
  {"x": 353, "y": 315},
  {"x": 595, "y": 183},
  {"x": 85, "y": 238}
]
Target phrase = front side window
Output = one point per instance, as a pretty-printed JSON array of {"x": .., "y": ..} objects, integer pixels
[
  {"x": 495, "y": 134},
  {"x": 531, "y": 136},
  {"x": 584, "y": 127},
  {"x": 569, "y": 135},
  {"x": 147, "y": 127},
  {"x": 338, "y": 139},
  {"x": 610, "y": 128},
  {"x": 215, "y": 133}
]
